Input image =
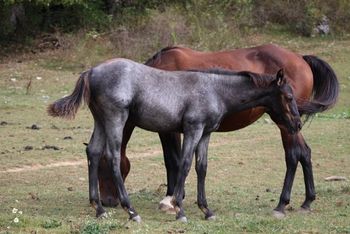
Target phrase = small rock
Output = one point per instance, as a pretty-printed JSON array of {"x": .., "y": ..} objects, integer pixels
[
  {"x": 51, "y": 147},
  {"x": 67, "y": 138},
  {"x": 268, "y": 190},
  {"x": 267, "y": 121},
  {"x": 28, "y": 147},
  {"x": 54, "y": 127},
  {"x": 34, "y": 196},
  {"x": 34, "y": 127},
  {"x": 3, "y": 123},
  {"x": 335, "y": 178},
  {"x": 70, "y": 188}
]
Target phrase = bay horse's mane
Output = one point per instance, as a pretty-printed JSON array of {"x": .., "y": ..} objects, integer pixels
[
  {"x": 259, "y": 80},
  {"x": 159, "y": 53}
]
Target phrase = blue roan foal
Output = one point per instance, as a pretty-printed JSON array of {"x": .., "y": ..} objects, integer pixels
[{"x": 121, "y": 91}]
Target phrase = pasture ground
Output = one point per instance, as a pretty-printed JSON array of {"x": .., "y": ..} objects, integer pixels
[{"x": 43, "y": 169}]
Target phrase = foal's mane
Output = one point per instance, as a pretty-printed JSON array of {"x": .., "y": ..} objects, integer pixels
[{"x": 259, "y": 80}]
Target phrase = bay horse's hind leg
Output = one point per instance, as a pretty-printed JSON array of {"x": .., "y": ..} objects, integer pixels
[
  {"x": 114, "y": 125},
  {"x": 295, "y": 150},
  {"x": 94, "y": 150},
  {"x": 171, "y": 144},
  {"x": 201, "y": 169}
]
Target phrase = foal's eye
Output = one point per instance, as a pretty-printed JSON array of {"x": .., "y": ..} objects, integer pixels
[{"x": 289, "y": 97}]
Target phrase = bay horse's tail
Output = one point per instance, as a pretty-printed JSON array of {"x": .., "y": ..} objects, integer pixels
[
  {"x": 326, "y": 87},
  {"x": 67, "y": 107}
]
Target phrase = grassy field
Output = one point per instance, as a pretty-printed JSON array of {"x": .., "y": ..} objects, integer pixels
[{"x": 43, "y": 169}]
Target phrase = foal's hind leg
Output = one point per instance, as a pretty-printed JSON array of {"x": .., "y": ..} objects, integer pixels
[
  {"x": 114, "y": 126},
  {"x": 94, "y": 151},
  {"x": 108, "y": 191},
  {"x": 295, "y": 150},
  {"x": 201, "y": 169}
]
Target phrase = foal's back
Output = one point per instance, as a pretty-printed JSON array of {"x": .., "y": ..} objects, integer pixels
[{"x": 157, "y": 100}]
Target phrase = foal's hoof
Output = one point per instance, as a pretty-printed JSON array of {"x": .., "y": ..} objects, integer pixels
[
  {"x": 278, "y": 214},
  {"x": 182, "y": 219},
  {"x": 136, "y": 219},
  {"x": 103, "y": 215}
]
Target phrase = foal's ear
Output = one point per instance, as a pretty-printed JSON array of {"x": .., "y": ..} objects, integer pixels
[{"x": 281, "y": 80}]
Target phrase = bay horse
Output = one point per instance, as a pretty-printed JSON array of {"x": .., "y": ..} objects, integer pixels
[
  {"x": 315, "y": 87},
  {"x": 193, "y": 103}
]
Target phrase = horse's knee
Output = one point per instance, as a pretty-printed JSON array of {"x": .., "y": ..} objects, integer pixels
[
  {"x": 93, "y": 152},
  {"x": 305, "y": 156}
]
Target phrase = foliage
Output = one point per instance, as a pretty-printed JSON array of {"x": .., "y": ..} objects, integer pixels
[{"x": 20, "y": 18}]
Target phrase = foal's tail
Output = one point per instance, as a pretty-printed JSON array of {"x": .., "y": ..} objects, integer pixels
[
  {"x": 67, "y": 107},
  {"x": 326, "y": 87}
]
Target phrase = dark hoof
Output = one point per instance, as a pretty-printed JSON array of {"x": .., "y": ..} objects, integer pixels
[
  {"x": 278, "y": 214},
  {"x": 182, "y": 219},
  {"x": 100, "y": 212}
]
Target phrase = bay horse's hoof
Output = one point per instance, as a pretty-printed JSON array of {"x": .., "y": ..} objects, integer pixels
[
  {"x": 278, "y": 214},
  {"x": 136, "y": 219},
  {"x": 166, "y": 206},
  {"x": 182, "y": 219}
]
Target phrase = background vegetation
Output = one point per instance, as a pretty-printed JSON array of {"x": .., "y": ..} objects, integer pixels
[
  {"x": 43, "y": 169},
  {"x": 21, "y": 19}
]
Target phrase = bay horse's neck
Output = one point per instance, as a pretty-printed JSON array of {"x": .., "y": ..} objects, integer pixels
[{"x": 240, "y": 93}]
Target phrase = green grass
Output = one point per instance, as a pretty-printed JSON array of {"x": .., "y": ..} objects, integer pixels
[{"x": 245, "y": 172}]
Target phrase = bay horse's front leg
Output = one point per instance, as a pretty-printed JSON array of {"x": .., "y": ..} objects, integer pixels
[
  {"x": 201, "y": 169},
  {"x": 190, "y": 142},
  {"x": 295, "y": 150},
  {"x": 108, "y": 191},
  {"x": 171, "y": 144}
]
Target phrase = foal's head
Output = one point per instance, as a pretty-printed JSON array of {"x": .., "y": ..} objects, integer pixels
[{"x": 283, "y": 109}]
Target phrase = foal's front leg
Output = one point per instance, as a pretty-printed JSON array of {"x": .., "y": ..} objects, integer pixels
[
  {"x": 201, "y": 169},
  {"x": 295, "y": 150},
  {"x": 190, "y": 142}
]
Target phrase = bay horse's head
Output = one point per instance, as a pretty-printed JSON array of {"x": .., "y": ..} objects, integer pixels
[{"x": 284, "y": 109}]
